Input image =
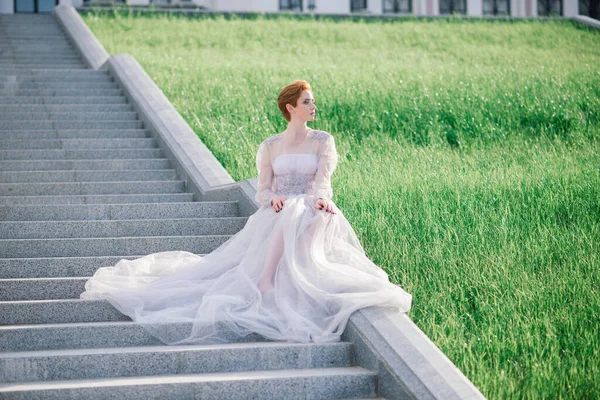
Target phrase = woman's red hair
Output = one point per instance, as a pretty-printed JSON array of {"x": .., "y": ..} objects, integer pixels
[{"x": 290, "y": 95}]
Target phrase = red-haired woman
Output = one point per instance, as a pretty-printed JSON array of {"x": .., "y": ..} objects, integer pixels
[{"x": 295, "y": 272}]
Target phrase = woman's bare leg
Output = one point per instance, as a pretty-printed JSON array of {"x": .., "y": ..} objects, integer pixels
[{"x": 271, "y": 261}]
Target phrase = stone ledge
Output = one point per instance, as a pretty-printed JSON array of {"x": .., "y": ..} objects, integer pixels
[
  {"x": 590, "y": 22},
  {"x": 408, "y": 364},
  {"x": 84, "y": 41}
]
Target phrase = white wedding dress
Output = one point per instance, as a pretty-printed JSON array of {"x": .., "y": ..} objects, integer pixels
[{"x": 295, "y": 275}]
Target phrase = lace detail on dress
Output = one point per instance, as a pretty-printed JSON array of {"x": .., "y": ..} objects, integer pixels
[
  {"x": 292, "y": 184},
  {"x": 321, "y": 136},
  {"x": 273, "y": 138}
]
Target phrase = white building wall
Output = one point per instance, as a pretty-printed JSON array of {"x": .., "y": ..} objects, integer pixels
[
  {"x": 570, "y": 8},
  {"x": 7, "y": 7},
  {"x": 240, "y": 5},
  {"x": 474, "y": 7},
  {"x": 375, "y": 6},
  {"x": 330, "y": 6}
]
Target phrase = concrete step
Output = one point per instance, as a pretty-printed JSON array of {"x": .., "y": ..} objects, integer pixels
[
  {"x": 347, "y": 382},
  {"x": 84, "y": 335},
  {"x": 85, "y": 188},
  {"x": 61, "y": 108},
  {"x": 75, "y": 134},
  {"x": 62, "y": 311},
  {"x": 86, "y": 247},
  {"x": 88, "y": 154},
  {"x": 87, "y": 176},
  {"x": 120, "y": 228},
  {"x": 70, "y": 116},
  {"x": 64, "y": 75},
  {"x": 81, "y": 165},
  {"x": 97, "y": 199},
  {"x": 56, "y": 267},
  {"x": 41, "y": 288},
  {"x": 53, "y": 365},
  {"x": 113, "y": 212},
  {"x": 37, "y": 62},
  {"x": 57, "y": 100},
  {"x": 28, "y": 78},
  {"x": 60, "y": 92},
  {"x": 71, "y": 144},
  {"x": 21, "y": 52},
  {"x": 81, "y": 124},
  {"x": 9, "y": 69},
  {"x": 58, "y": 85}
]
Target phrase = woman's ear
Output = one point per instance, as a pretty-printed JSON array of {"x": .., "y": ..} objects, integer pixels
[{"x": 289, "y": 107}]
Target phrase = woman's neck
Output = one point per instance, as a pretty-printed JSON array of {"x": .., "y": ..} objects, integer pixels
[{"x": 297, "y": 130}]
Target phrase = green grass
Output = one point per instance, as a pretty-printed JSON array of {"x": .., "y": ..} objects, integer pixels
[{"x": 497, "y": 239}]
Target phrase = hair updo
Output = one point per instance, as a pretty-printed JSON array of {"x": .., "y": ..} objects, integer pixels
[{"x": 290, "y": 95}]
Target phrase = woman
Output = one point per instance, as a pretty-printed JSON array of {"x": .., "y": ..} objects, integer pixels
[{"x": 295, "y": 272}]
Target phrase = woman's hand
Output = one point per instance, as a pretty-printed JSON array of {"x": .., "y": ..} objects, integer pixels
[
  {"x": 326, "y": 206},
  {"x": 277, "y": 203}
]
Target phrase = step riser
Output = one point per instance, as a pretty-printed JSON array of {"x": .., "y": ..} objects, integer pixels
[
  {"x": 86, "y": 188},
  {"x": 100, "y": 199},
  {"x": 77, "y": 144},
  {"x": 68, "y": 165},
  {"x": 97, "y": 229},
  {"x": 19, "y": 268},
  {"x": 76, "y": 134},
  {"x": 60, "y": 92},
  {"x": 178, "y": 361},
  {"x": 46, "y": 125},
  {"x": 69, "y": 116},
  {"x": 315, "y": 387},
  {"x": 29, "y": 248},
  {"x": 57, "y": 85},
  {"x": 58, "y": 312},
  {"x": 83, "y": 336},
  {"x": 15, "y": 290},
  {"x": 106, "y": 212},
  {"x": 87, "y": 176},
  {"x": 67, "y": 108},
  {"x": 117, "y": 154},
  {"x": 29, "y": 79},
  {"x": 63, "y": 100}
]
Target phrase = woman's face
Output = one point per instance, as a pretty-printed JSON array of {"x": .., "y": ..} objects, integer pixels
[{"x": 305, "y": 108}]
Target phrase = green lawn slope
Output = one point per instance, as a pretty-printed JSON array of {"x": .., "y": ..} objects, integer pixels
[{"x": 469, "y": 165}]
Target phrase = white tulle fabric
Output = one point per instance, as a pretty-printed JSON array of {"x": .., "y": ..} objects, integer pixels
[{"x": 296, "y": 275}]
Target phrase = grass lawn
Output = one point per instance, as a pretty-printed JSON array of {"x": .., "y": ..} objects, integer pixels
[{"x": 498, "y": 239}]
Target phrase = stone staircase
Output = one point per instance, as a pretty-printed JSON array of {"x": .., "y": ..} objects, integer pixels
[{"x": 82, "y": 185}]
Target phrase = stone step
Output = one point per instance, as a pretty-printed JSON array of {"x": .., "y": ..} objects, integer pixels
[
  {"x": 36, "y": 337},
  {"x": 24, "y": 52},
  {"x": 60, "y": 92},
  {"x": 41, "y": 288},
  {"x": 56, "y": 267},
  {"x": 85, "y": 188},
  {"x": 29, "y": 248},
  {"x": 315, "y": 383},
  {"x": 41, "y": 75},
  {"x": 36, "y": 62},
  {"x": 75, "y": 134},
  {"x": 65, "y": 108},
  {"x": 73, "y": 144},
  {"x": 87, "y": 176},
  {"x": 58, "y": 85},
  {"x": 113, "y": 212},
  {"x": 97, "y": 199},
  {"x": 28, "y": 78},
  {"x": 62, "y": 311},
  {"x": 55, "y": 365},
  {"x": 88, "y": 154},
  {"x": 10, "y": 69},
  {"x": 70, "y": 116},
  {"x": 76, "y": 124},
  {"x": 81, "y": 165},
  {"x": 56, "y": 100},
  {"x": 120, "y": 228}
]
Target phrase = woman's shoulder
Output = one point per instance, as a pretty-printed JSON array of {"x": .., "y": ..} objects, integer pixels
[
  {"x": 320, "y": 136},
  {"x": 272, "y": 139}
]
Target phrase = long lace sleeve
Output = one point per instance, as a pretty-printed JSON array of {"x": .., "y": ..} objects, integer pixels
[
  {"x": 328, "y": 158},
  {"x": 264, "y": 192}
]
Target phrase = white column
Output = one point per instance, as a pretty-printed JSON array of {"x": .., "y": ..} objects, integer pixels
[
  {"x": 375, "y": 6},
  {"x": 570, "y": 8},
  {"x": 474, "y": 7},
  {"x": 7, "y": 7},
  {"x": 433, "y": 7},
  {"x": 531, "y": 8},
  {"x": 517, "y": 8},
  {"x": 419, "y": 7},
  {"x": 330, "y": 6}
]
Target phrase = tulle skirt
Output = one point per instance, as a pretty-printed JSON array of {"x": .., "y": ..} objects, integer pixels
[{"x": 296, "y": 275}]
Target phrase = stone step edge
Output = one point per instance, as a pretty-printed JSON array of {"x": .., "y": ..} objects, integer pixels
[
  {"x": 159, "y": 349},
  {"x": 187, "y": 378}
]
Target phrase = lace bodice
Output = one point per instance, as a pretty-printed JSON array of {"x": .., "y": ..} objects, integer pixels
[{"x": 287, "y": 169}]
